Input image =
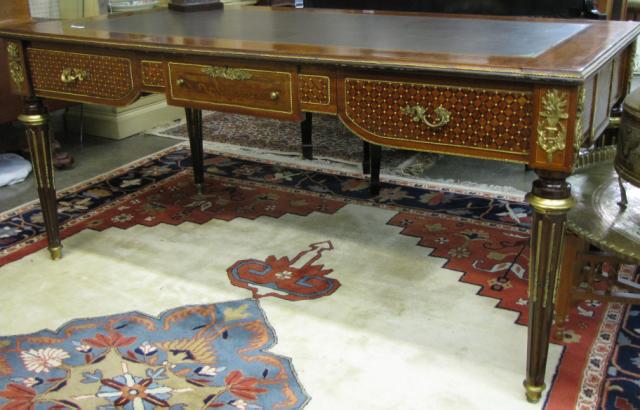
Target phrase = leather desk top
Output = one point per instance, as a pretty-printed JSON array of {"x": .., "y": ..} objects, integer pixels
[
  {"x": 419, "y": 34},
  {"x": 564, "y": 50}
]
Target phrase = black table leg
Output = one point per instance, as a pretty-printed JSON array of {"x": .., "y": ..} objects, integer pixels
[
  {"x": 375, "y": 153},
  {"x": 194, "y": 127},
  {"x": 366, "y": 157},
  {"x": 306, "y": 127}
]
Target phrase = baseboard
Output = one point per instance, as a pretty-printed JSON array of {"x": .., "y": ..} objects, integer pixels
[{"x": 118, "y": 123}]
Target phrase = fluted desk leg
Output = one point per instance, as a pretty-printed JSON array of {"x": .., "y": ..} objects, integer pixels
[
  {"x": 36, "y": 122},
  {"x": 194, "y": 127},
  {"x": 551, "y": 200}
]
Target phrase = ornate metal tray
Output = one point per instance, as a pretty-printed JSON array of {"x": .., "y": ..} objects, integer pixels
[{"x": 597, "y": 217}]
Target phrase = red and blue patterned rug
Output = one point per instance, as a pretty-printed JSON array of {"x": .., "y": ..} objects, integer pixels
[
  {"x": 485, "y": 238},
  {"x": 208, "y": 356}
]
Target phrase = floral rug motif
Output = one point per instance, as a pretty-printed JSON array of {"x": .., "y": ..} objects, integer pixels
[
  {"x": 195, "y": 357},
  {"x": 295, "y": 278}
]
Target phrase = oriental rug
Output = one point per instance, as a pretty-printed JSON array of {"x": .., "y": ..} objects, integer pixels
[
  {"x": 196, "y": 357},
  {"x": 336, "y": 148},
  {"x": 412, "y": 299}
]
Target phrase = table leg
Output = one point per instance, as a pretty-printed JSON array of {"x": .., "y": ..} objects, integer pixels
[
  {"x": 550, "y": 199},
  {"x": 375, "y": 154},
  {"x": 36, "y": 122},
  {"x": 366, "y": 157},
  {"x": 194, "y": 127},
  {"x": 306, "y": 127}
]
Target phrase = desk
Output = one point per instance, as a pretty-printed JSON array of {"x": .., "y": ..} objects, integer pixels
[{"x": 531, "y": 91}]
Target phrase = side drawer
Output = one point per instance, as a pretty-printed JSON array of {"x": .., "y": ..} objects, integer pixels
[
  {"x": 439, "y": 116},
  {"x": 245, "y": 90},
  {"x": 82, "y": 77}
]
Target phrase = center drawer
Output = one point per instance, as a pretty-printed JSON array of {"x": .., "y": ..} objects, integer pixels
[{"x": 247, "y": 90}]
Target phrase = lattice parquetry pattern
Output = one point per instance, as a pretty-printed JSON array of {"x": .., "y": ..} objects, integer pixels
[
  {"x": 108, "y": 77},
  {"x": 483, "y": 118},
  {"x": 315, "y": 89},
  {"x": 153, "y": 74}
]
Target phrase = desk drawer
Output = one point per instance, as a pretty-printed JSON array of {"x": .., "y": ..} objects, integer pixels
[
  {"x": 78, "y": 76},
  {"x": 396, "y": 113},
  {"x": 236, "y": 89}
]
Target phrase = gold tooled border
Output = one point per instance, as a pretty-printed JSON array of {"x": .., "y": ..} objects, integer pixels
[
  {"x": 142, "y": 73},
  {"x": 328, "y": 89},
  {"x": 346, "y": 111},
  {"x": 128, "y": 60},
  {"x": 233, "y": 105}
]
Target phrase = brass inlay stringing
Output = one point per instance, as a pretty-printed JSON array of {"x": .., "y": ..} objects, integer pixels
[
  {"x": 535, "y": 269},
  {"x": 552, "y": 128},
  {"x": 72, "y": 75},
  {"x": 550, "y": 247},
  {"x": 15, "y": 64},
  {"x": 563, "y": 227},
  {"x": 577, "y": 141},
  {"x": 419, "y": 114},
  {"x": 227, "y": 73}
]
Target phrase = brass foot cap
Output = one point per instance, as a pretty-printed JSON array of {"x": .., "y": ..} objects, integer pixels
[
  {"x": 56, "y": 252},
  {"x": 199, "y": 189},
  {"x": 534, "y": 393}
]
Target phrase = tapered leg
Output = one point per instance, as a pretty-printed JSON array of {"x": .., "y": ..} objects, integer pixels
[
  {"x": 35, "y": 119},
  {"x": 306, "y": 127},
  {"x": 366, "y": 157},
  {"x": 375, "y": 153},
  {"x": 550, "y": 199},
  {"x": 194, "y": 127}
]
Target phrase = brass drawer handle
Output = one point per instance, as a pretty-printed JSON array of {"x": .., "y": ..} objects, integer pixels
[
  {"x": 180, "y": 82},
  {"x": 227, "y": 73},
  {"x": 274, "y": 95},
  {"x": 419, "y": 113},
  {"x": 71, "y": 75}
]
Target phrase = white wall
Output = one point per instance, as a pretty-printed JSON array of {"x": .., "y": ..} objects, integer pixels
[{"x": 46, "y": 8}]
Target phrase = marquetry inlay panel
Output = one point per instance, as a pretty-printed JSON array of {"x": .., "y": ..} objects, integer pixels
[
  {"x": 315, "y": 89},
  {"x": 494, "y": 119},
  {"x": 104, "y": 77},
  {"x": 153, "y": 74}
]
